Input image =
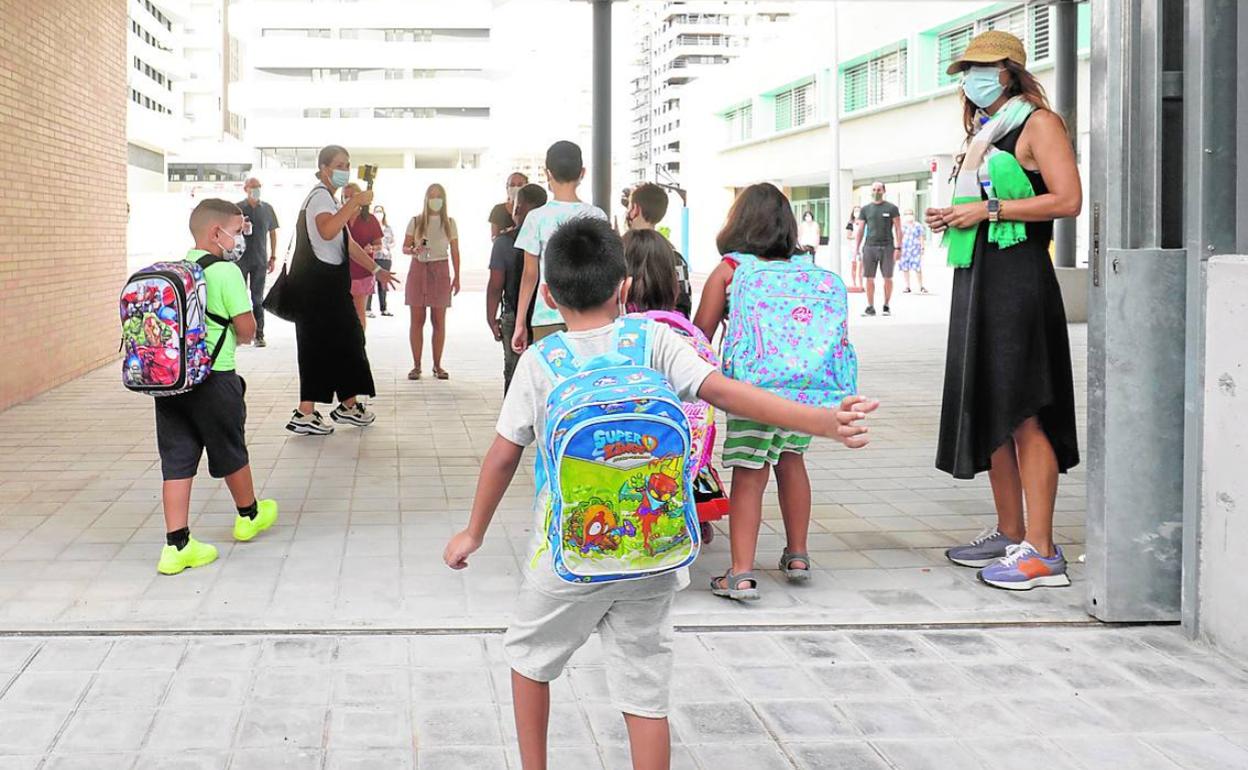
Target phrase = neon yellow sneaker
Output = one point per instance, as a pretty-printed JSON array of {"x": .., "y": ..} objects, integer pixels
[
  {"x": 245, "y": 529},
  {"x": 195, "y": 554}
]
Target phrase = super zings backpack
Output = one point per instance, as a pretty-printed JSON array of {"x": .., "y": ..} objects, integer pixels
[
  {"x": 163, "y": 333},
  {"x": 788, "y": 330},
  {"x": 615, "y": 460}
]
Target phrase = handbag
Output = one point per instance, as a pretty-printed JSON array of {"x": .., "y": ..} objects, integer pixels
[{"x": 280, "y": 301}]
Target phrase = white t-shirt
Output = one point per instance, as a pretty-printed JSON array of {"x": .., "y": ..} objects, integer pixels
[
  {"x": 321, "y": 201},
  {"x": 523, "y": 419},
  {"x": 539, "y": 225},
  {"x": 439, "y": 238}
]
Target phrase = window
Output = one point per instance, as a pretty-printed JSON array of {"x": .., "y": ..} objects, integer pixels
[
  {"x": 795, "y": 107},
  {"x": 1027, "y": 23},
  {"x": 1039, "y": 38},
  {"x": 874, "y": 82},
  {"x": 740, "y": 123},
  {"x": 949, "y": 46}
]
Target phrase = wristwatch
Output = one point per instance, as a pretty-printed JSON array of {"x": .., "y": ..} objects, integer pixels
[{"x": 994, "y": 209}]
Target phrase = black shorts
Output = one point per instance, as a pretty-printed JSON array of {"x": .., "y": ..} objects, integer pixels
[
  {"x": 212, "y": 417},
  {"x": 877, "y": 257}
]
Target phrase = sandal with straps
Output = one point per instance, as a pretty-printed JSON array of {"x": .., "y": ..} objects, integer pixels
[
  {"x": 728, "y": 585},
  {"x": 414, "y": 374},
  {"x": 441, "y": 374},
  {"x": 798, "y": 575}
]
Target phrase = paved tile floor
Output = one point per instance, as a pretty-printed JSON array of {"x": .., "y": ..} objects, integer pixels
[
  {"x": 1083, "y": 698},
  {"x": 365, "y": 513}
]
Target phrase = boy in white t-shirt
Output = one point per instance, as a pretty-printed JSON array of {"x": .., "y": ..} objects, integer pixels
[
  {"x": 564, "y": 171},
  {"x": 585, "y": 277}
]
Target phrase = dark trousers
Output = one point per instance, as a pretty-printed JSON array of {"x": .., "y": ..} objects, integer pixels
[
  {"x": 507, "y": 324},
  {"x": 381, "y": 290},
  {"x": 255, "y": 273}
]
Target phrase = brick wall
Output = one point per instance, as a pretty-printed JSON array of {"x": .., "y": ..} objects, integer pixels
[{"x": 63, "y": 211}]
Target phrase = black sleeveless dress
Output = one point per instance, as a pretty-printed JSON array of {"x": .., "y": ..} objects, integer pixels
[{"x": 1009, "y": 353}]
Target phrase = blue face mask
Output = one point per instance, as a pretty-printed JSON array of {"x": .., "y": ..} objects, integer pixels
[
  {"x": 982, "y": 85},
  {"x": 340, "y": 177}
]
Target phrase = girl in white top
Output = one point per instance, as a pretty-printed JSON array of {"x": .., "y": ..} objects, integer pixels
[{"x": 432, "y": 240}]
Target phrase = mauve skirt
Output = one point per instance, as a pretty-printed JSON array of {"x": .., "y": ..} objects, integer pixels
[{"x": 429, "y": 284}]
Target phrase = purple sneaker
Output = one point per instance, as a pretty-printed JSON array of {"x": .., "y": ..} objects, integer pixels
[
  {"x": 988, "y": 546},
  {"x": 1023, "y": 568}
]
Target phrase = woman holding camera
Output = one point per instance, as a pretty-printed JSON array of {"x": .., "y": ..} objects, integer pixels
[
  {"x": 328, "y": 333},
  {"x": 432, "y": 240}
]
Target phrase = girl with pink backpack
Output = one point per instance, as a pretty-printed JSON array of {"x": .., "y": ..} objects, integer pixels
[{"x": 654, "y": 291}]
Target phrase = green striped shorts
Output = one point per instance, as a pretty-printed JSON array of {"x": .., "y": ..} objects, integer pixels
[{"x": 752, "y": 444}]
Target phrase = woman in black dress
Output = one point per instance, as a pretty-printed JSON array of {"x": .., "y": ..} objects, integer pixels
[{"x": 1009, "y": 405}]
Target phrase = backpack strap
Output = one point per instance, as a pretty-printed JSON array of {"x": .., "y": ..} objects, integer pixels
[
  {"x": 557, "y": 358},
  {"x": 633, "y": 339},
  {"x": 205, "y": 262}
]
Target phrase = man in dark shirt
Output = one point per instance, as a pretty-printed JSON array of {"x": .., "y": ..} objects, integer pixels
[
  {"x": 500, "y": 216},
  {"x": 882, "y": 231},
  {"x": 502, "y": 294},
  {"x": 260, "y": 256},
  {"x": 647, "y": 205}
]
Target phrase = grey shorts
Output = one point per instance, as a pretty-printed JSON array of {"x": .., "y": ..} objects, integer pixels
[
  {"x": 636, "y": 645},
  {"x": 877, "y": 257}
]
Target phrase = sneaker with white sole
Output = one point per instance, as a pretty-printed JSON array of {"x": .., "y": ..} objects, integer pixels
[
  {"x": 985, "y": 548},
  {"x": 309, "y": 424},
  {"x": 1023, "y": 569},
  {"x": 357, "y": 415}
]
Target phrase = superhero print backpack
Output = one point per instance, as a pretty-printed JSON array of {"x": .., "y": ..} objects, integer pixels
[
  {"x": 163, "y": 333},
  {"x": 614, "y": 459}
]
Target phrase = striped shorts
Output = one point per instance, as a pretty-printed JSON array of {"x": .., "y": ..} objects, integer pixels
[{"x": 752, "y": 444}]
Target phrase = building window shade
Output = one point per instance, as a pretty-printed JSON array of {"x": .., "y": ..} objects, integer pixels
[
  {"x": 1040, "y": 46},
  {"x": 740, "y": 124},
  {"x": 1013, "y": 21},
  {"x": 878, "y": 81},
  {"x": 949, "y": 46},
  {"x": 795, "y": 107}
]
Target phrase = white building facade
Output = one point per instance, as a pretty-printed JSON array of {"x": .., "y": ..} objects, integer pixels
[
  {"x": 156, "y": 75},
  {"x": 675, "y": 44},
  {"x": 769, "y": 117}
]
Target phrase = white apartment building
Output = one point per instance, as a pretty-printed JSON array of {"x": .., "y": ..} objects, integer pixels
[
  {"x": 675, "y": 44},
  {"x": 768, "y": 116},
  {"x": 156, "y": 74}
]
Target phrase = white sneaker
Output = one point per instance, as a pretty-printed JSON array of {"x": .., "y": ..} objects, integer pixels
[
  {"x": 353, "y": 415},
  {"x": 308, "y": 424}
]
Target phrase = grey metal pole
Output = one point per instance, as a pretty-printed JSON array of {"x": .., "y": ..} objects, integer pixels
[
  {"x": 1065, "y": 98},
  {"x": 836, "y": 207},
  {"x": 600, "y": 165}
]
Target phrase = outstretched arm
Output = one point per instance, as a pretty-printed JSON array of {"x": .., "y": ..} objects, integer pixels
[
  {"x": 743, "y": 400},
  {"x": 497, "y": 470}
]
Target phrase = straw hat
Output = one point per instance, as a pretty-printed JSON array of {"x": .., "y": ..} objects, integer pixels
[{"x": 989, "y": 47}]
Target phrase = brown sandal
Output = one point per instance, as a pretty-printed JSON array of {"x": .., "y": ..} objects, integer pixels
[
  {"x": 442, "y": 374},
  {"x": 414, "y": 374}
]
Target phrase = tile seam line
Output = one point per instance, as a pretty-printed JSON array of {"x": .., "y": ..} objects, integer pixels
[{"x": 499, "y": 630}]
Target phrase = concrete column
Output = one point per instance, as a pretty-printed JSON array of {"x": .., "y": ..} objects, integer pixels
[
  {"x": 836, "y": 203},
  {"x": 600, "y": 166},
  {"x": 1065, "y": 100}
]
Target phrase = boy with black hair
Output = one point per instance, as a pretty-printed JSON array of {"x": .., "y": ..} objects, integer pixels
[
  {"x": 565, "y": 169},
  {"x": 647, "y": 205},
  {"x": 212, "y": 415},
  {"x": 585, "y": 278},
  {"x": 502, "y": 294}
]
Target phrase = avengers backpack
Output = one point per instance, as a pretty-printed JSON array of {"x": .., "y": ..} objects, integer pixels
[
  {"x": 163, "y": 334},
  {"x": 788, "y": 330},
  {"x": 614, "y": 458}
]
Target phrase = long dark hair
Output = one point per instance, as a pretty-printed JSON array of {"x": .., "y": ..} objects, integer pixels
[
  {"x": 1022, "y": 83},
  {"x": 761, "y": 223},
  {"x": 652, "y": 264}
]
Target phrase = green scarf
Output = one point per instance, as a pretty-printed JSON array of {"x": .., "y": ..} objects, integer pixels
[{"x": 1008, "y": 181}]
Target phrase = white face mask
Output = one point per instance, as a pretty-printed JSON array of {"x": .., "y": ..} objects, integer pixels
[
  {"x": 435, "y": 204},
  {"x": 235, "y": 252},
  {"x": 512, "y": 192}
]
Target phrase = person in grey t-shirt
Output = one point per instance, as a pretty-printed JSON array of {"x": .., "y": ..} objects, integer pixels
[{"x": 882, "y": 232}]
